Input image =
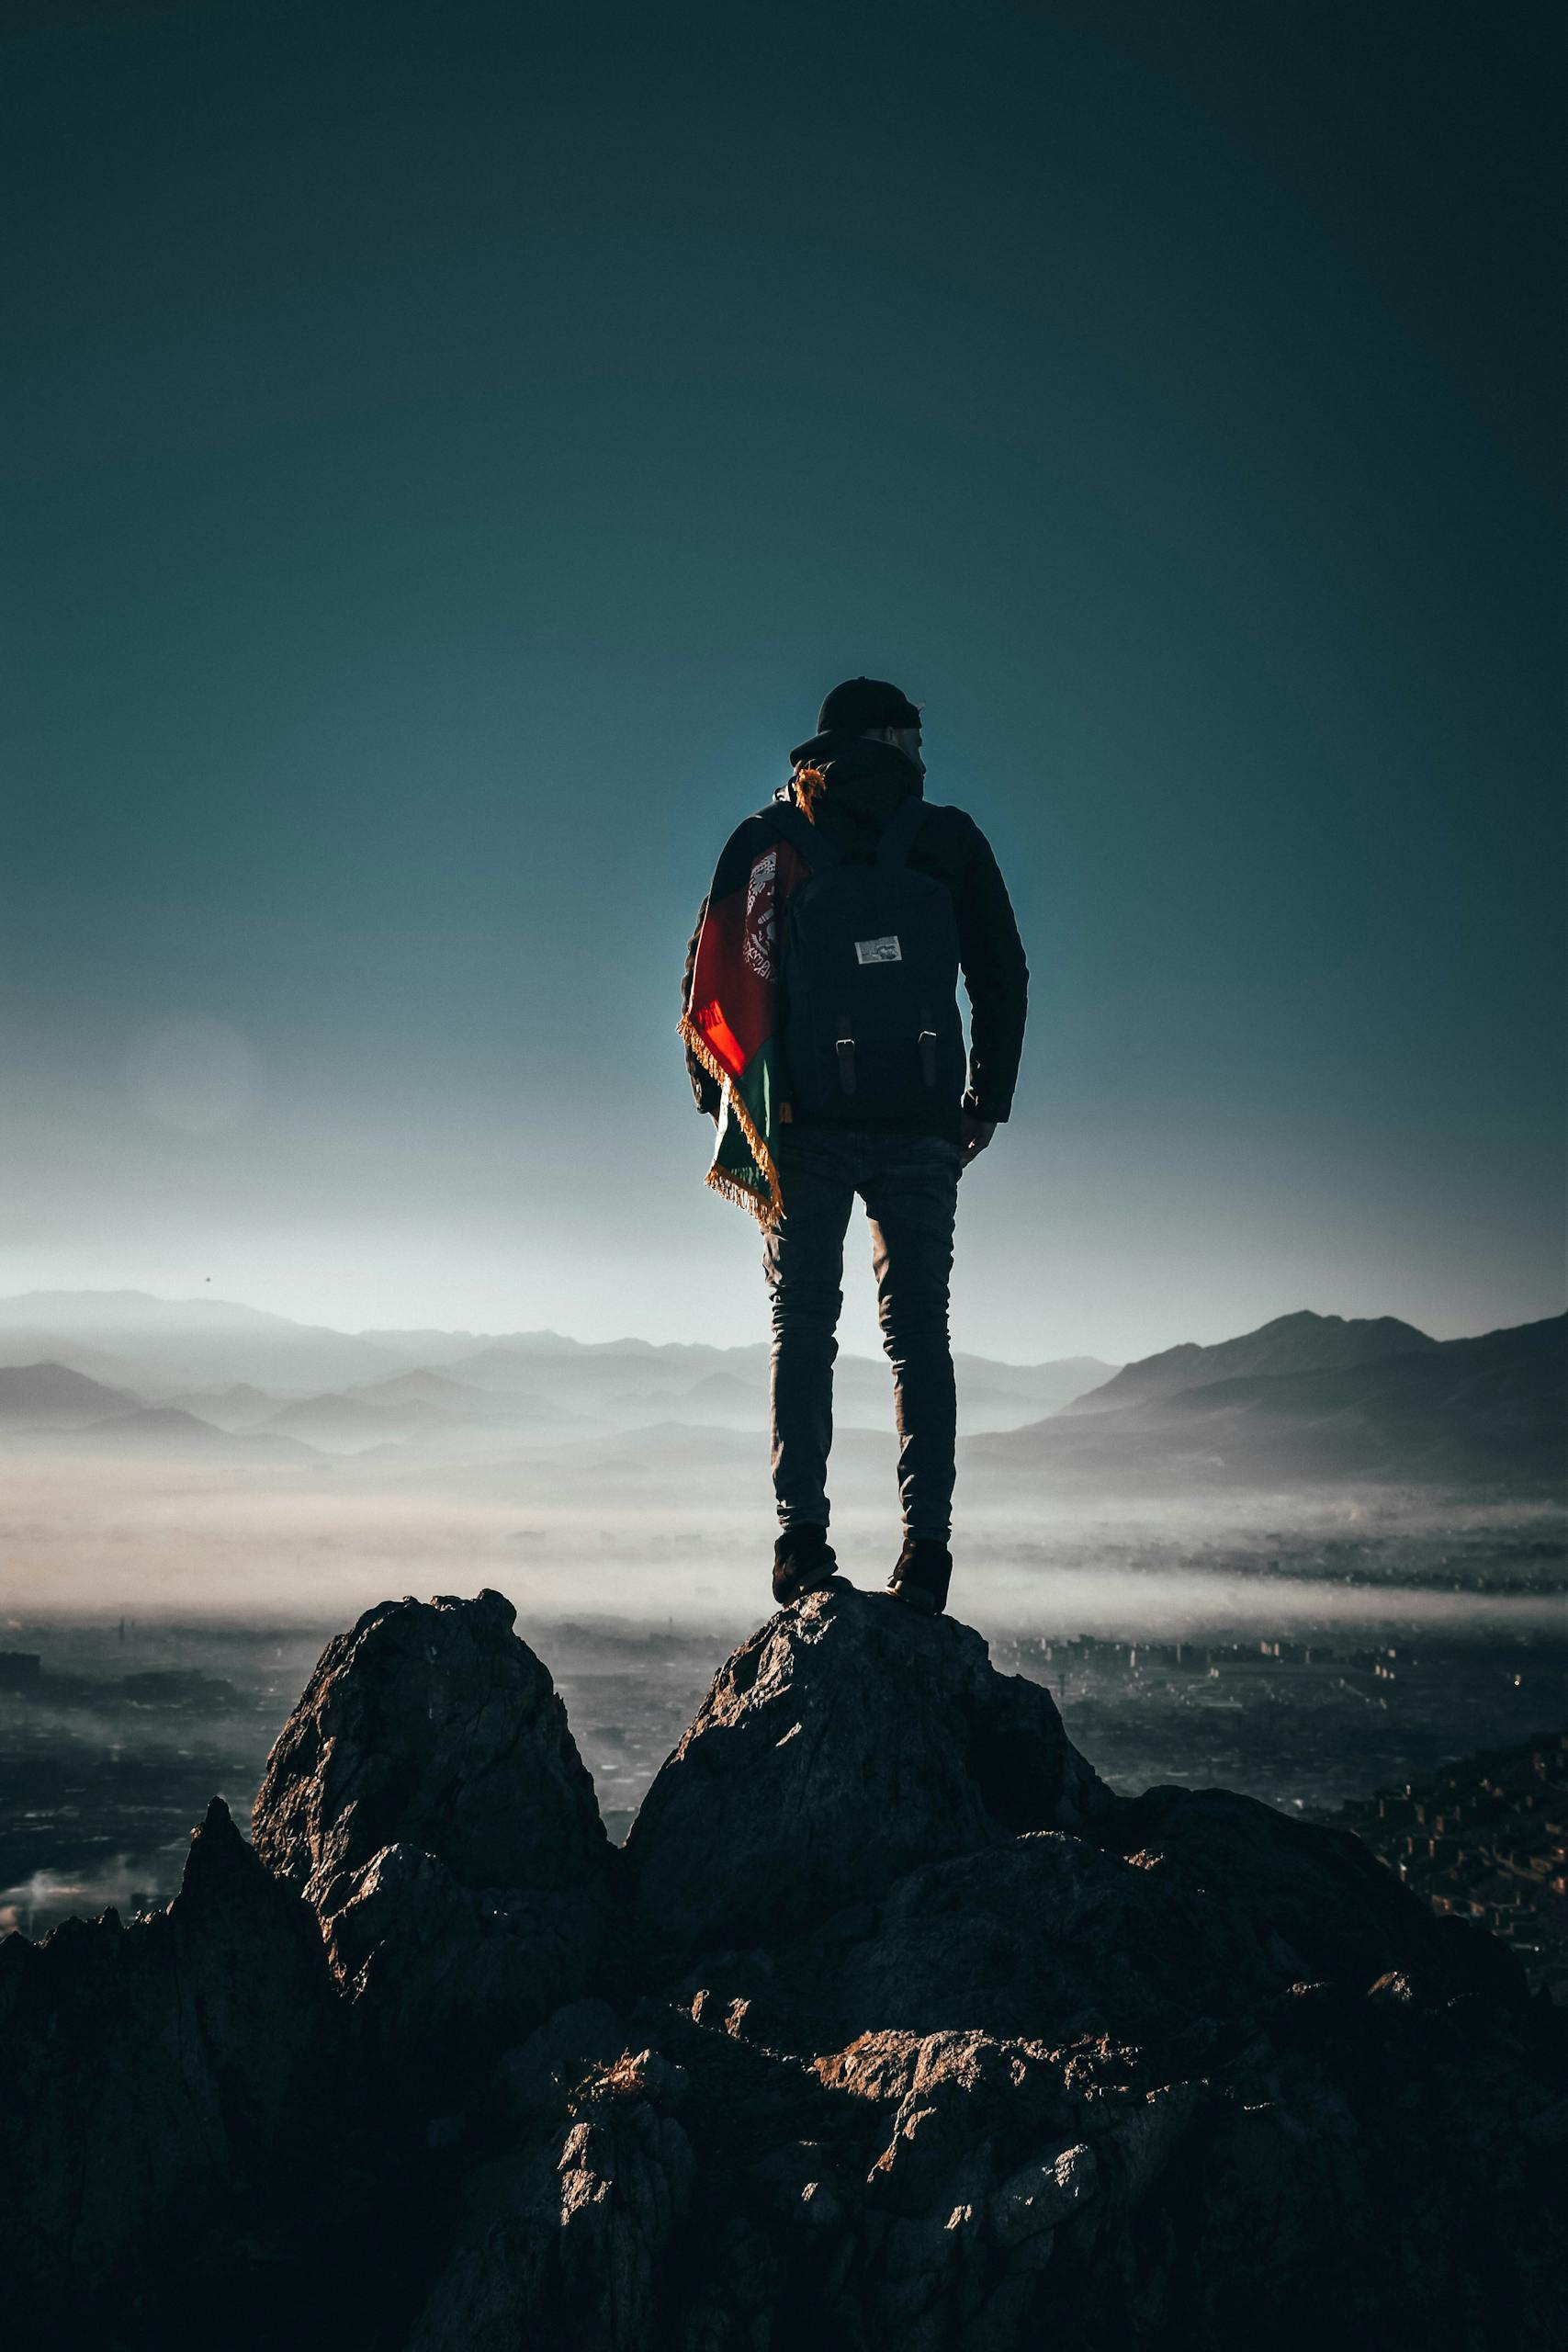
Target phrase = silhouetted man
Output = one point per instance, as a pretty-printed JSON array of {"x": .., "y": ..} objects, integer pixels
[{"x": 823, "y": 1035}]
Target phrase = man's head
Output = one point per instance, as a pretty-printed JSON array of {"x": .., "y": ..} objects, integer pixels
[{"x": 873, "y": 707}]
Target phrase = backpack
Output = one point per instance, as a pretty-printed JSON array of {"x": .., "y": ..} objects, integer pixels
[{"x": 869, "y": 969}]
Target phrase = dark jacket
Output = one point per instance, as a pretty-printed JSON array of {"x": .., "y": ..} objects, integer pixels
[{"x": 860, "y": 782}]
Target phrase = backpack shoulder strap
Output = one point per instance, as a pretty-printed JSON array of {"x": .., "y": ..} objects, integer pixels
[
  {"x": 817, "y": 848},
  {"x": 898, "y": 834}
]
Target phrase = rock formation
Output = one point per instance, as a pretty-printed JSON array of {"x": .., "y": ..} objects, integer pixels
[
  {"x": 844, "y": 1744},
  {"x": 430, "y": 1724},
  {"x": 428, "y": 1798},
  {"x": 150, "y": 2074},
  {"x": 889, "y": 2025}
]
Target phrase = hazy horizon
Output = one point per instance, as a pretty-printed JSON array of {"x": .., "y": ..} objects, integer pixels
[{"x": 858, "y": 1330}]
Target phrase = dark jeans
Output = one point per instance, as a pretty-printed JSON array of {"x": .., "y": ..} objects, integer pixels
[{"x": 909, "y": 1185}]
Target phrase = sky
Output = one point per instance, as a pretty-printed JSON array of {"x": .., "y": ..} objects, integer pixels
[{"x": 447, "y": 452}]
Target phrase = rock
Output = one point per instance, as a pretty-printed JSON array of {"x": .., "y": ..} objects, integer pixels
[
  {"x": 626, "y": 2181},
  {"x": 959, "y": 2191},
  {"x": 1045, "y": 1937},
  {"x": 962, "y": 2044},
  {"x": 427, "y": 1796},
  {"x": 1222, "y": 1904},
  {"x": 431, "y": 1725},
  {"x": 1315, "y": 1901},
  {"x": 539, "y": 2073},
  {"x": 921, "y": 2037},
  {"x": 152, "y": 2074},
  {"x": 570, "y": 2246},
  {"x": 846, "y": 1743},
  {"x": 441, "y": 1975},
  {"x": 1043, "y": 2192}
]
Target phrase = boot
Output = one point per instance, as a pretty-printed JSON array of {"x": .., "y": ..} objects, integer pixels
[
  {"x": 920, "y": 1578},
  {"x": 803, "y": 1559}
]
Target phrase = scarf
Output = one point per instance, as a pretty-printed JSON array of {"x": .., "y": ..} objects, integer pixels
[{"x": 731, "y": 1021}]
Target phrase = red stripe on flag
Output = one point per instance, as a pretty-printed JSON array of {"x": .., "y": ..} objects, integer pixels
[{"x": 721, "y": 1038}]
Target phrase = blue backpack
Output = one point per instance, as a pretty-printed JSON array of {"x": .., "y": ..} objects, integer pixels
[{"x": 869, "y": 969}]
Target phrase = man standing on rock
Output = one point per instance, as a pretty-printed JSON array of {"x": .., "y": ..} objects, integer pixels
[{"x": 823, "y": 1036}]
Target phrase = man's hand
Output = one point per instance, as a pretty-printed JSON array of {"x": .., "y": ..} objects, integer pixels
[{"x": 974, "y": 1134}]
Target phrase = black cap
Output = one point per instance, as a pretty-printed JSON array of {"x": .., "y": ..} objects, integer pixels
[{"x": 863, "y": 703}]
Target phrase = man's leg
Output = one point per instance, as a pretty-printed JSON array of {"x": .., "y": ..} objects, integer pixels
[
  {"x": 912, "y": 1200},
  {"x": 804, "y": 1262}
]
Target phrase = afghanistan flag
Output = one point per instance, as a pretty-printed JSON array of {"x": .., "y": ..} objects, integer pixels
[{"x": 731, "y": 1020}]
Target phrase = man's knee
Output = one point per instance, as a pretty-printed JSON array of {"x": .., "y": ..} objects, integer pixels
[
  {"x": 915, "y": 1312},
  {"x": 915, "y": 1332},
  {"x": 807, "y": 1316},
  {"x": 806, "y": 1308}
]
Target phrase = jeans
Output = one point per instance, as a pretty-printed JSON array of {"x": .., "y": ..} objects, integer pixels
[{"x": 909, "y": 1185}]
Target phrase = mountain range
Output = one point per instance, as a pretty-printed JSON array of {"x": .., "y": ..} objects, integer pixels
[
  {"x": 1312, "y": 1398},
  {"x": 73, "y": 1359},
  {"x": 1303, "y": 1398},
  {"x": 1290, "y": 1343}
]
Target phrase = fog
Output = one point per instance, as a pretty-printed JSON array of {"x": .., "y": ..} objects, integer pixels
[
  {"x": 667, "y": 1532},
  {"x": 159, "y": 1620}
]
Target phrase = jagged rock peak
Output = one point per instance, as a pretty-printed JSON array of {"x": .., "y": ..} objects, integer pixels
[
  {"x": 428, "y": 1798},
  {"x": 430, "y": 1724},
  {"x": 847, "y": 1742},
  {"x": 152, "y": 2074}
]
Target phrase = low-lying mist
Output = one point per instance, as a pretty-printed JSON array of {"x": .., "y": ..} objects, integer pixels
[
  {"x": 158, "y": 1620},
  {"x": 650, "y": 1540}
]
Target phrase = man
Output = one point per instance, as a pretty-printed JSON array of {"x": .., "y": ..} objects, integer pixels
[{"x": 823, "y": 1036}]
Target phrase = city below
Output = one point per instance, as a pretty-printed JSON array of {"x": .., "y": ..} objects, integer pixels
[{"x": 1487, "y": 1839}]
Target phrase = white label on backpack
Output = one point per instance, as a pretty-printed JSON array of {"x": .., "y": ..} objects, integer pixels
[{"x": 878, "y": 951}]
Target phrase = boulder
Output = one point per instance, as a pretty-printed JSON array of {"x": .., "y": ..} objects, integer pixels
[
  {"x": 428, "y": 1798},
  {"x": 1311, "y": 1901},
  {"x": 847, "y": 1742},
  {"x": 153, "y": 2073},
  {"x": 1220, "y": 1902},
  {"x": 431, "y": 1725},
  {"x": 1043, "y": 1937}
]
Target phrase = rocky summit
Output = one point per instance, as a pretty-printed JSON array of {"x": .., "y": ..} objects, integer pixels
[
  {"x": 845, "y": 1743},
  {"x": 890, "y": 2024}
]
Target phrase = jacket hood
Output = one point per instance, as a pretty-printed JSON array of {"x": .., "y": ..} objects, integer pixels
[
  {"x": 851, "y": 786},
  {"x": 845, "y": 755}
]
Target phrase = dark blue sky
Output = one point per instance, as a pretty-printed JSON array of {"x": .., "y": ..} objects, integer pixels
[{"x": 448, "y": 454}]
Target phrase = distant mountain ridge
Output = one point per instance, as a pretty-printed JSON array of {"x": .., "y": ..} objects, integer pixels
[
  {"x": 454, "y": 1394},
  {"x": 53, "y": 1391},
  {"x": 196, "y": 1342},
  {"x": 164, "y": 1432},
  {"x": 1383, "y": 1403},
  {"x": 1289, "y": 1343},
  {"x": 1304, "y": 1399},
  {"x": 244, "y": 1366}
]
